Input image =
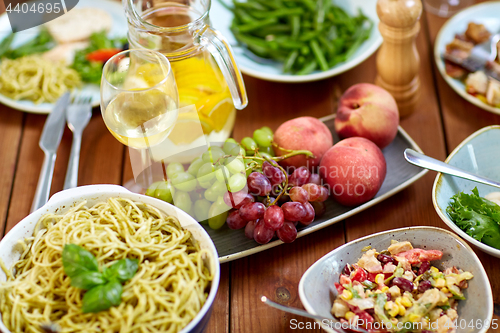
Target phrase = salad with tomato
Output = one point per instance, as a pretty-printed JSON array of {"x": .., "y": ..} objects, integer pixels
[{"x": 398, "y": 290}]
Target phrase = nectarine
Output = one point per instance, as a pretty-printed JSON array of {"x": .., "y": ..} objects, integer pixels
[
  {"x": 303, "y": 133},
  {"x": 354, "y": 170},
  {"x": 368, "y": 111}
]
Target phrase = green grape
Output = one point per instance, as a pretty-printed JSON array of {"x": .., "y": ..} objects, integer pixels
[
  {"x": 267, "y": 150},
  {"x": 222, "y": 174},
  {"x": 268, "y": 130},
  {"x": 219, "y": 188},
  {"x": 183, "y": 201},
  {"x": 264, "y": 155},
  {"x": 213, "y": 154},
  {"x": 229, "y": 145},
  {"x": 248, "y": 143},
  {"x": 237, "y": 182},
  {"x": 262, "y": 138},
  {"x": 206, "y": 184},
  {"x": 201, "y": 208},
  {"x": 205, "y": 173},
  {"x": 174, "y": 168},
  {"x": 236, "y": 166},
  {"x": 184, "y": 181},
  {"x": 243, "y": 152},
  {"x": 210, "y": 195},
  {"x": 217, "y": 213},
  {"x": 162, "y": 190},
  {"x": 195, "y": 166}
]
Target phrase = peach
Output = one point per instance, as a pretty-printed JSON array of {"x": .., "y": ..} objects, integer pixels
[
  {"x": 354, "y": 170},
  {"x": 303, "y": 133},
  {"x": 368, "y": 111}
]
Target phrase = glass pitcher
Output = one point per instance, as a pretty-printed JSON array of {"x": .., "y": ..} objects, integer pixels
[{"x": 202, "y": 62}]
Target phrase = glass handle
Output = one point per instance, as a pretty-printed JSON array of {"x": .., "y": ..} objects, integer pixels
[{"x": 220, "y": 49}]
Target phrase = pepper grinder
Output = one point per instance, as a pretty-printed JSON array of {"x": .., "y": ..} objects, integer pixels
[{"x": 398, "y": 61}]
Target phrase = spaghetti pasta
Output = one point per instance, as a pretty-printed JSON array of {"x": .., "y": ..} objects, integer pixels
[
  {"x": 167, "y": 292},
  {"x": 35, "y": 78}
]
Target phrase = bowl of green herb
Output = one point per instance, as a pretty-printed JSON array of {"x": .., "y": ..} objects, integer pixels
[
  {"x": 298, "y": 40},
  {"x": 468, "y": 208}
]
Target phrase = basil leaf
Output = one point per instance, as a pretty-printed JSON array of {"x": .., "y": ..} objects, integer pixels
[
  {"x": 77, "y": 260},
  {"x": 122, "y": 270},
  {"x": 88, "y": 280},
  {"x": 102, "y": 297}
]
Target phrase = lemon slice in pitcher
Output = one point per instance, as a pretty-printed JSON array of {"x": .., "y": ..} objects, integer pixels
[
  {"x": 216, "y": 108},
  {"x": 187, "y": 128}
]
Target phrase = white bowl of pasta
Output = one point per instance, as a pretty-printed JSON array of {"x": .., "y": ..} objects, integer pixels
[{"x": 168, "y": 280}]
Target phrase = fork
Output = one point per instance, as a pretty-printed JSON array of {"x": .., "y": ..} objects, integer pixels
[{"x": 78, "y": 115}]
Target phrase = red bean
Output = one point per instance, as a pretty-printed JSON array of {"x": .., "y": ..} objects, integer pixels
[
  {"x": 385, "y": 259},
  {"x": 424, "y": 267},
  {"x": 403, "y": 284},
  {"x": 424, "y": 285}
]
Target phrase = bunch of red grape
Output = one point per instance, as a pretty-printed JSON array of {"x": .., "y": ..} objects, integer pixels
[{"x": 275, "y": 203}]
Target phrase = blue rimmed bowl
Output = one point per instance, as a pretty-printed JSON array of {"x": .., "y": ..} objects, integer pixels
[
  {"x": 480, "y": 154},
  {"x": 317, "y": 290}
]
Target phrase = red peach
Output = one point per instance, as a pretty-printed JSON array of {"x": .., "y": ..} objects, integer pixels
[
  {"x": 368, "y": 111},
  {"x": 303, "y": 133},
  {"x": 354, "y": 170}
]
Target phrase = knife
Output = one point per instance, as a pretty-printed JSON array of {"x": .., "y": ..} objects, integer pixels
[{"x": 49, "y": 142}]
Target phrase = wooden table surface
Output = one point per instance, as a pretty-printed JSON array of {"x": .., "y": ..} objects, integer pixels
[{"x": 443, "y": 119}]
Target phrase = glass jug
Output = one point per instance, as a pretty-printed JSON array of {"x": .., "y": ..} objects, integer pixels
[{"x": 202, "y": 62}]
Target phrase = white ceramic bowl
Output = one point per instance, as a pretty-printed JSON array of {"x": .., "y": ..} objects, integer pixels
[
  {"x": 479, "y": 153},
  {"x": 317, "y": 291},
  {"x": 64, "y": 200}
]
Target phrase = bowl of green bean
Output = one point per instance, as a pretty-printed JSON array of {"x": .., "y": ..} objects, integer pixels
[{"x": 298, "y": 40}]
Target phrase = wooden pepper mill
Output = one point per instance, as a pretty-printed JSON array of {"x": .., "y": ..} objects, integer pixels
[{"x": 397, "y": 60}]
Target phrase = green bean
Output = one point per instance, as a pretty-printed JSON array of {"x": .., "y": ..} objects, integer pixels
[
  {"x": 290, "y": 60},
  {"x": 308, "y": 68},
  {"x": 256, "y": 25},
  {"x": 279, "y": 13},
  {"x": 243, "y": 16},
  {"x": 5, "y": 45},
  {"x": 295, "y": 23},
  {"x": 318, "y": 54},
  {"x": 309, "y": 4}
]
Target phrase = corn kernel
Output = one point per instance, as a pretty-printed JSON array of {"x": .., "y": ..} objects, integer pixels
[
  {"x": 402, "y": 310},
  {"x": 379, "y": 279},
  {"x": 398, "y": 300},
  {"x": 406, "y": 302},
  {"x": 394, "y": 321},
  {"x": 346, "y": 295},
  {"x": 385, "y": 289},
  {"x": 444, "y": 290},
  {"x": 392, "y": 308},
  {"x": 440, "y": 283},
  {"x": 434, "y": 269},
  {"x": 414, "y": 318},
  {"x": 349, "y": 315}
]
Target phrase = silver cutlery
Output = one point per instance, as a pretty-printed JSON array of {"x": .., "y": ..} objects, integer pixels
[
  {"x": 299, "y": 312},
  {"x": 49, "y": 142},
  {"x": 78, "y": 115},
  {"x": 430, "y": 163}
]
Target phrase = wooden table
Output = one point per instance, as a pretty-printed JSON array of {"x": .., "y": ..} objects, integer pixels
[{"x": 442, "y": 121}]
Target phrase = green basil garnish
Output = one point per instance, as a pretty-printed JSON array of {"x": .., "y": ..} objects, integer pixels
[{"x": 104, "y": 290}]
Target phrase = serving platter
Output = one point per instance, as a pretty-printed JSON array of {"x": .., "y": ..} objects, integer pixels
[
  {"x": 486, "y": 13},
  {"x": 119, "y": 29},
  {"x": 233, "y": 244},
  {"x": 221, "y": 19}
]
